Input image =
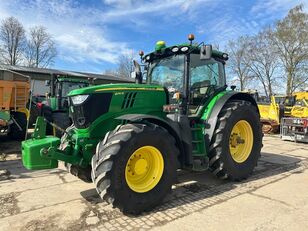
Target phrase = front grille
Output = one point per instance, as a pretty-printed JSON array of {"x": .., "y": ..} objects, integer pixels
[
  {"x": 95, "y": 105},
  {"x": 129, "y": 100}
]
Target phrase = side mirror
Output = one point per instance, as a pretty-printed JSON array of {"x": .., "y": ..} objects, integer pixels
[
  {"x": 47, "y": 83},
  {"x": 144, "y": 76},
  {"x": 137, "y": 71},
  {"x": 206, "y": 52},
  {"x": 133, "y": 75}
]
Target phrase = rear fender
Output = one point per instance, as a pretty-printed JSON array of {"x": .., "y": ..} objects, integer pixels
[{"x": 211, "y": 121}]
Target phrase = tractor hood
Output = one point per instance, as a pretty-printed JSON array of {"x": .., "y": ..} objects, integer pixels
[
  {"x": 91, "y": 105},
  {"x": 116, "y": 87}
]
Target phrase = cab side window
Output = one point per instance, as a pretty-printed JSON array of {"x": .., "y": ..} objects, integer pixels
[{"x": 205, "y": 76}]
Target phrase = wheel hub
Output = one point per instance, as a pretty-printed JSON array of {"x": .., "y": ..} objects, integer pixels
[
  {"x": 241, "y": 141},
  {"x": 140, "y": 166},
  {"x": 144, "y": 169},
  {"x": 236, "y": 140}
]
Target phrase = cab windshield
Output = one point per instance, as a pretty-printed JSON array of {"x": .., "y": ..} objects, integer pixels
[
  {"x": 69, "y": 86},
  {"x": 168, "y": 72}
]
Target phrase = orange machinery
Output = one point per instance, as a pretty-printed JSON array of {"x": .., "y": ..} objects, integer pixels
[{"x": 14, "y": 96}]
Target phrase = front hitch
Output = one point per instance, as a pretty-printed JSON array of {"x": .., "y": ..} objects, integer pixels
[
  {"x": 44, "y": 152},
  {"x": 57, "y": 154}
]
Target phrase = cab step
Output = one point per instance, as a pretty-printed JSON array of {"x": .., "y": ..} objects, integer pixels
[{"x": 200, "y": 164}]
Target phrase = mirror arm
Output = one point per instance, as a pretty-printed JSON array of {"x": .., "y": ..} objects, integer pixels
[{"x": 138, "y": 73}]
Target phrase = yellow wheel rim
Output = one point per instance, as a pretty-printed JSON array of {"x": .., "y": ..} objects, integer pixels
[
  {"x": 144, "y": 169},
  {"x": 241, "y": 141}
]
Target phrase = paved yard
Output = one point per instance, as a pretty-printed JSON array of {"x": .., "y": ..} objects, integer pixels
[{"x": 275, "y": 197}]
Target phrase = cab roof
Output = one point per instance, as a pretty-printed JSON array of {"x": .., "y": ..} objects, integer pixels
[{"x": 161, "y": 51}]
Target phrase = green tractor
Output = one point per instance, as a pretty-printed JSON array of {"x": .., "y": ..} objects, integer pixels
[
  {"x": 55, "y": 108},
  {"x": 130, "y": 139}
]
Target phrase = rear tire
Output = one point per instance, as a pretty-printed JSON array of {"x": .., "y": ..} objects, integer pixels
[
  {"x": 14, "y": 132},
  {"x": 112, "y": 158},
  {"x": 222, "y": 163}
]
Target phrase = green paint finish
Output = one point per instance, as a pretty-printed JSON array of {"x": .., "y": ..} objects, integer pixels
[
  {"x": 211, "y": 104},
  {"x": 160, "y": 45},
  {"x": 199, "y": 130},
  {"x": 119, "y": 87},
  {"x": 198, "y": 140},
  {"x": 53, "y": 153},
  {"x": 31, "y": 153},
  {"x": 53, "y": 102},
  {"x": 148, "y": 99},
  {"x": 40, "y": 128},
  {"x": 145, "y": 102}
]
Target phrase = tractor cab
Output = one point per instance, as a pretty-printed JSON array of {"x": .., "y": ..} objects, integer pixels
[
  {"x": 60, "y": 86},
  {"x": 190, "y": 73},
  {"x": 55, "y": 108}
]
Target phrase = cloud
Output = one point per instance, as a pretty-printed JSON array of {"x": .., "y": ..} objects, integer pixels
[
  {"x": 99, "y": 31},
  {"x": 274, "y": 8},
  {"x": 232, "y": 21},
  {"x": 125, "y": 8},
  {"x": 119, "y": 3},
  {"x": 74, "y": 27},
  {"x": 224, "y": 22},
  {"x": 82, "y": 31}
]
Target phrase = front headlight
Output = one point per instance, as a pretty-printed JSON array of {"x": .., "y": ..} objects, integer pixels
[
  {"x": 184, "y": 49},
  {"x": 79, "y": 99},
  {"x": 175, "y": 49}
]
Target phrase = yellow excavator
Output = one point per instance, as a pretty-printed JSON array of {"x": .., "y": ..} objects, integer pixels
[
  {"x": 300, "y": 108},
  {"x": 295, "y": 127},
  {"x": 271, "y": 111},
  {"x": 287, "y": 101}
]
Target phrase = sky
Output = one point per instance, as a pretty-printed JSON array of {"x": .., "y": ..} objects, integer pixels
[{"x": 90, "y": 35}]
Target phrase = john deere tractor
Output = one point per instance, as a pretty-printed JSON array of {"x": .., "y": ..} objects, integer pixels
[
  {"x": 55, "y": 107},
  {"x": 130, "y": 139}
]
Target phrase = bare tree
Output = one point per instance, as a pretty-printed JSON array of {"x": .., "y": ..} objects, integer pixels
[
  {"x": 41, "y": 49},
  {"x": 125, "y": 62},
  {"x": 237, "y": 55},
  {"x": 290, "y": 38},
  {"x": 12, "y": 38},
  {"x": 262, "y": 61},
  {"x": 301, "y": 79}
]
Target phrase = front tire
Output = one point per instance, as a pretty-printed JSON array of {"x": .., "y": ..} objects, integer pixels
[
  {"x": 135, "y": 166},
  {"x": 237, "y": 141}
]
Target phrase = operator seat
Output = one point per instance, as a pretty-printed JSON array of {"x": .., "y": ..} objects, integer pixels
[{"x": 199, "y": 91}]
